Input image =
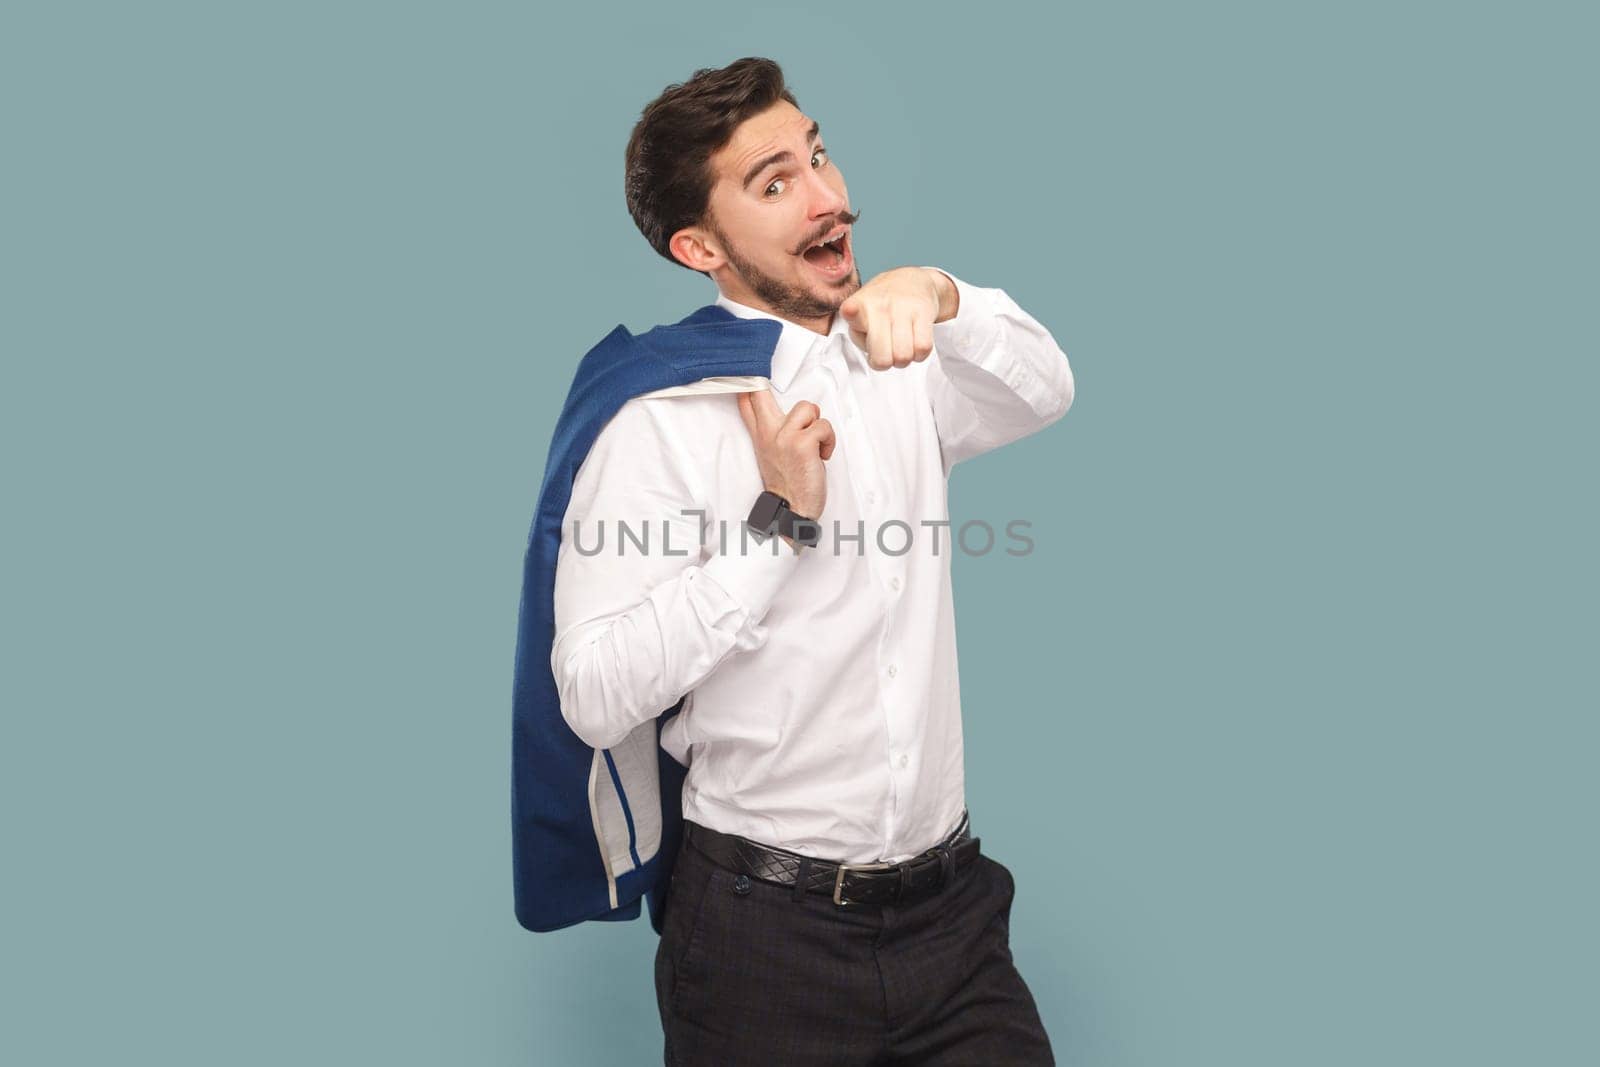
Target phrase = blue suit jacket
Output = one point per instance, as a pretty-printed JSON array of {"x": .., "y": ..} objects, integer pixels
[{"x": 592, "y": 831}]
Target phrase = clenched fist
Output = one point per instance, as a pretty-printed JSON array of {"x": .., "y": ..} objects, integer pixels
[
  {"x": 891, "y": 317},
  {"x": 790, "y": 449}
]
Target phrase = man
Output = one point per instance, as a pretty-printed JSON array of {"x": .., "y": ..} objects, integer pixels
[{"x": 820, "y": 719}]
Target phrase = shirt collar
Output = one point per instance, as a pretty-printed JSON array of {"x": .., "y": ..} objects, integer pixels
[{"x": 795, "y": 343}]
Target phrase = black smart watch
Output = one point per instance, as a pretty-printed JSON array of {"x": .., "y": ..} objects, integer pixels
[{"x": 771, "y": 515}]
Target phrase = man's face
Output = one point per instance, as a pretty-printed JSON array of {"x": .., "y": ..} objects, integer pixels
[{"x": 775, "y": 196}]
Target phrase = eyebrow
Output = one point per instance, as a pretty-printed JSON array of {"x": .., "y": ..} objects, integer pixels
[{"x": 785, "y": 156}]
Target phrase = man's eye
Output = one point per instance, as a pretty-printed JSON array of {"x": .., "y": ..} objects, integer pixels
[
  {"x": 823, "y": 152},
  {"x": 775, "y": 183}
]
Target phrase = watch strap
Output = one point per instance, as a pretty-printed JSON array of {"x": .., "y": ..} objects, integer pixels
[{"x": 773, "y": 515}]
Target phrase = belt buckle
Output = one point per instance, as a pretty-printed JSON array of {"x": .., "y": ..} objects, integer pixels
[{"x": 838, "y": 881}]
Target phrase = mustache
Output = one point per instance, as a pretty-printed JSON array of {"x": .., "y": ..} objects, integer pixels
[{"x": 844, "y": 217}]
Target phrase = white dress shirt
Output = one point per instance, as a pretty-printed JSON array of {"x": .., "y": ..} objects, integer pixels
[{"x": 824, "y": 707}]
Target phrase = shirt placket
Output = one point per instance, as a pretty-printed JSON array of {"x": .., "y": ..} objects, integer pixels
[{"x": 873, "y": 500}]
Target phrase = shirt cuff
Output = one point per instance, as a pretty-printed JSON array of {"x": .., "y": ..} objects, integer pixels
[
  {"x": 977, "y": 335},
  {"x": 752, "y": 577},
  {"x": 975, "y": 326}
]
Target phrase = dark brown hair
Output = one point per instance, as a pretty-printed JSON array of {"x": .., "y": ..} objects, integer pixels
[{"x": 668, "y": 174}]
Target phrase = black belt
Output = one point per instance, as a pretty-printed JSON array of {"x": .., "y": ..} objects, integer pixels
[{"x": 847, "y": 883}]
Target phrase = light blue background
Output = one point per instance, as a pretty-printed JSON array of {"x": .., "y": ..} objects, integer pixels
[{"x": 1286, "y": 728}]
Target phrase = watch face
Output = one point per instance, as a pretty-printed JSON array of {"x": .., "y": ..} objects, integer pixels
[
  {"x": 807, "y": 532},
  {"x": 765, "y": 513}
]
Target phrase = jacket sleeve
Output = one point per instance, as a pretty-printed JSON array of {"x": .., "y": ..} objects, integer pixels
[
  {"x": 995, "y": 375},
  {"x": 641, "y": 616}
]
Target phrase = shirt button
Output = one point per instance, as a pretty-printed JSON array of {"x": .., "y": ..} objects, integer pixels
[
  {"x": 892, "y": 670},
  {"x": 894, "y": 583},
  {"x": 905, "y": 761},
  {"x": 741, "y": 884}
]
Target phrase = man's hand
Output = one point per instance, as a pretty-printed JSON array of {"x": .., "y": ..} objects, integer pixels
[
  {"x": 891, "y": 317},
  {"x": 790, "y": 449}
]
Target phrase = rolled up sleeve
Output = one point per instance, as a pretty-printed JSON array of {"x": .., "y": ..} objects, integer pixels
[{"x": 995, "y": 375}]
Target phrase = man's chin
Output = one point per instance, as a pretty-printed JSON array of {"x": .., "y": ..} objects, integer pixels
[
  {"x": 840, "y": 291},
  {"x": 806, "y": 296},
  {"x": 822, "y": 297}
]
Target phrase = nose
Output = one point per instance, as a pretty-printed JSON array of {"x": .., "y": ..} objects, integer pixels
[{"x": 827, "y": 197}]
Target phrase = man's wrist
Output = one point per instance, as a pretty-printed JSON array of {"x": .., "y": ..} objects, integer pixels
[
  {"x": 774, "y": 513},
  {"x": 949, "y": 295},
  {"x": 805, "y": 531}
]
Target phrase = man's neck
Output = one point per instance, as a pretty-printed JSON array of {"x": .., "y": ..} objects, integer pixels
[{"x": 822, "y": 326}]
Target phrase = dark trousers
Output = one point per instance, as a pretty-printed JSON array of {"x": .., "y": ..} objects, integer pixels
[{"x": 746, "y": 973}]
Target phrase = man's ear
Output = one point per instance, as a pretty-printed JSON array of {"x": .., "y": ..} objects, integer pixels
[{"x": 696, "y": 248}]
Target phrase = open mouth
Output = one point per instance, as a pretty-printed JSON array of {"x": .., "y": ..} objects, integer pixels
[{"x": 831, "y": 255}]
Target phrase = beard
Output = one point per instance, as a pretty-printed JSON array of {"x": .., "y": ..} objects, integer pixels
[{"x": 786, "y": 300}]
